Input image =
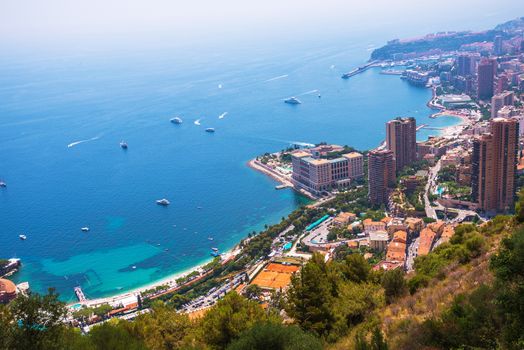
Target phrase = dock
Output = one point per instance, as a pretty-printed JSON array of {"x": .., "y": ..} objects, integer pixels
[{"x": 80, "y": 294}]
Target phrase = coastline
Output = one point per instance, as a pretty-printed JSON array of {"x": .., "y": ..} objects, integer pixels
[{"x": 168, "y": 280}]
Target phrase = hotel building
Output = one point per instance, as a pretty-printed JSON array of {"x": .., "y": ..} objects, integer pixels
[{"x": 321, "y": 175}]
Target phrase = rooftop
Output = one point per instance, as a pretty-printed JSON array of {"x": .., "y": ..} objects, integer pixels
[
  {"x": 378, "y": 236},
  {"x": 7, "y": 287}
]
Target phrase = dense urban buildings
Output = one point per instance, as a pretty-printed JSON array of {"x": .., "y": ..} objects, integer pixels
[
  {"x": 317, "y": 173},
  {"x": 494, "y": 162},
  {"x": 381, "y": 175},
  {"x": 486, "y": 70},
  {"x": 401, "y": 138}
]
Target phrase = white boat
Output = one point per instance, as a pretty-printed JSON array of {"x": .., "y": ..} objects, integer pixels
[
  {"x": 292, "y": 101},
  {"x": 22, "y": 237},
  {"x": 176, "y": 120},
  {"x": 210, "y": 238},
  {"x": 210, "y": 130},
  {"x": 123, "y": 144},
  {"x": 85, "y": 229},
  {"x": 3, "y": 184},
  {"x": 163, "y": 202}
]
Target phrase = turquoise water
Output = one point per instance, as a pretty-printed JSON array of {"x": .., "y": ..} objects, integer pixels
[{"x": 92, "y": 101}]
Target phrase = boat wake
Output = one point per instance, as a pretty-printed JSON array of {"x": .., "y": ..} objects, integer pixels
[
  {"x": 276, "y": 78},
  {"x": 73, "y": 144},
  {"x": 222, "y": 115},
  {"x": 197, "y": 122},
  {"x": 309, "y": 92}
]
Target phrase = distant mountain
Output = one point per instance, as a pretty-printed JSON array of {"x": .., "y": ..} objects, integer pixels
[
  {"x": 512, "y": 25},
  {"x": 445, "y": 41}
]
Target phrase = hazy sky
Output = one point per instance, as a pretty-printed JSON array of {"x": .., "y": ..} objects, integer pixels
[{"x": 51, "y": 22}]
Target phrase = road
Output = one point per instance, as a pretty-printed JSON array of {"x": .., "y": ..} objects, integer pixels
[
  {"x": 412, "y": 254},
  {"x": 214, "y": 294},
  {"x": 432, "y": 177}
]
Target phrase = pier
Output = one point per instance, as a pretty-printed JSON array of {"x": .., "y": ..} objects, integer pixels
[
  {"x": 358, "y": 70},
  {"x": 80, "y": 294}
]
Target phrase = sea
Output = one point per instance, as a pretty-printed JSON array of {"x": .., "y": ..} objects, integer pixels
[{"x": 62, "y": 118}]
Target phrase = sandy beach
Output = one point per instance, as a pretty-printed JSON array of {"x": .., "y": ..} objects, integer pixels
[{"x": 169, "y": 280}]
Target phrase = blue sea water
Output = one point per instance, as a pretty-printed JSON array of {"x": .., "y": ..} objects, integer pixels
[{"x": 91, "y": 101}]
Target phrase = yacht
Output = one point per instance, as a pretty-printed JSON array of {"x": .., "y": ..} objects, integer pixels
[
  {"x": 163, "y": 202},
  {"x": 176, "y": 120},
  {"x": 123, "y": 144},
  {"x": 292, "y": 101},
  {"x": 85, "y": 229},
  {"x": 22, "y": 237},
  {"x": 210, "y": 130}
]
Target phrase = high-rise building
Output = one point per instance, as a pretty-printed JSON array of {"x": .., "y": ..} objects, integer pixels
[
  {"x": 494, "y": 165},
  {"x": 498, "y": 45},
  {"x": 381, "y": 175},
  {"x": 401, "y": 138},
  {"x": 500, "y": 100},
  {"x": 501, "y": 84},
  {"x": 464, "y": 65},
  {"x": 486, "y": 70}
]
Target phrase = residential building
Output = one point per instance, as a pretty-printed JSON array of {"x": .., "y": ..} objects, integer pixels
[
  {"x": 378, "y": 240},
  {"x": 415, "y": 225},
  {"x": 401, "y": 138},
  {"x": 381, "y": 175},
  {"x": 370, "y": 225},
  {"x": 494, "y": 164},
  {"x": 464, "y": 65},
  {"x": 344, "y": 218},
  {"x": 396, "y": 251},
  {"x": 395, "y": 225},
  {"x": 500, "y": 100},
  {"x": 427, "y": 238},
  {"x": 486, "y": 70},
  {"x": 497, "y": 45},
  {"x": 400, "y": 236}
]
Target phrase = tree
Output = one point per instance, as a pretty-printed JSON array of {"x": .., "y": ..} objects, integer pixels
[
  {"x": 519, "y": 207},
  {"x": 508, "y": 267},
  {"x": 394, "y": 284},
  {"x": 162, "y": 328},
  {"x": 310, "y": 297},
  {"x": 356, "y": 268},
  {"x": 39, "y": 321},
  {"x": 230, "y": 317},
  {"x": 114, "y": 336},
  {"x": 275, "y": 337},
  {"x": 253, "y": 291}
]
